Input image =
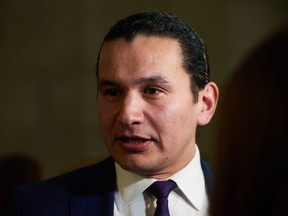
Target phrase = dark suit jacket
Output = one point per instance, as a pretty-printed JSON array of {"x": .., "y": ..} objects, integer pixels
[{"x": 87, "y": 191}]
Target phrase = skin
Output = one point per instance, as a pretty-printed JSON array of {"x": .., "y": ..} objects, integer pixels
[{"x": 147, "y": 112}]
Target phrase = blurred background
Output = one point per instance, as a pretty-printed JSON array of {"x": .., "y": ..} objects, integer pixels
[{"x": 48, "y": 52}]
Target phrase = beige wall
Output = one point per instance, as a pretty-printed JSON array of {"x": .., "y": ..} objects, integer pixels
[{"x": 48, "y": 52}]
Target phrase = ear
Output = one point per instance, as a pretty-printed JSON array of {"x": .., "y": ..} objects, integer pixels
[{"x": 208, "y": 98}]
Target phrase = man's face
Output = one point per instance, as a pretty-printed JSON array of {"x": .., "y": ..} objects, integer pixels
[{"x": 147, "y": 112}]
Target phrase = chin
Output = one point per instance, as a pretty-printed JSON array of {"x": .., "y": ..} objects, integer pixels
[{"x": 134, "y": 165}]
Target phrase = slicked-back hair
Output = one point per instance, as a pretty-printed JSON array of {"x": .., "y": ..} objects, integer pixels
[{"x": 164, "y": 24}]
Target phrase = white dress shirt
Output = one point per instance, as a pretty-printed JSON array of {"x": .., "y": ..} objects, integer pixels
[{"x": 189, "y": 198}]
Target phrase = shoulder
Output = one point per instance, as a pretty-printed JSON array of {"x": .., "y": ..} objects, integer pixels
[
  {"x": 55, "y": 193},
  {"x": 81, "y": 182},
  {"x": 80, "y": 179}
]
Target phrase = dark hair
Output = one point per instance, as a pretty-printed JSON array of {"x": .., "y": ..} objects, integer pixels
[{"x": 165, "y": 24}]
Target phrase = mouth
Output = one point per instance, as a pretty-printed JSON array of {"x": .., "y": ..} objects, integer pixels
[{"x": 133, "y": 143}]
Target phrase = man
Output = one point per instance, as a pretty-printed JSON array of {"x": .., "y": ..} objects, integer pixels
[{"x": 153, "y": 92}]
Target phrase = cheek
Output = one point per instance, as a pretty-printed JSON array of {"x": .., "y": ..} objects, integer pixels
[
  {"x": 167, "y": 119},
  {"x": 176, "y": 119},
  {"x": 105, "y": 121},
  {"x": 105, "y": 118},
  {"x": 179, "y": 111}
]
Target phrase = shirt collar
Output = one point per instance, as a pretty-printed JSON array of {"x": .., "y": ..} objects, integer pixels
[
  {"x": 130, "y": 186},
  {"x": 190, "y": 181}
]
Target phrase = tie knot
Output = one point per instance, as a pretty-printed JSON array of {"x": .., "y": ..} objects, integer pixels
[{"x": 161, "y": 189}]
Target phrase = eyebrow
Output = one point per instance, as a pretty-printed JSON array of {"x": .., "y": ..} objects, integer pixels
[
  {"x": 143, "y": 80},
  {"x": 152, "y": 79}
]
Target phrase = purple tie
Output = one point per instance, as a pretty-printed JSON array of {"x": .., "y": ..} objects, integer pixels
[{"x": 161, "y": 190}]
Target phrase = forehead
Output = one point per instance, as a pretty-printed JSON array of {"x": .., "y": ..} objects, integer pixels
[{"x": 142, "y": 53}]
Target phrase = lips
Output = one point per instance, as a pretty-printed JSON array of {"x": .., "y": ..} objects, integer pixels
[
  {"x": 132, "y": 139},
  {"x": 133, "y": 143}
]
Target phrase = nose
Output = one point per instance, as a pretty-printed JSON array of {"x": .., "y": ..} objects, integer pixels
[{"x": 131, "y": 110}]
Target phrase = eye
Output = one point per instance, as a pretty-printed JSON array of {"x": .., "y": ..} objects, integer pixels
[
  {"x": 111, "y": 92},
  {"x": 152, "y": 90}
]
